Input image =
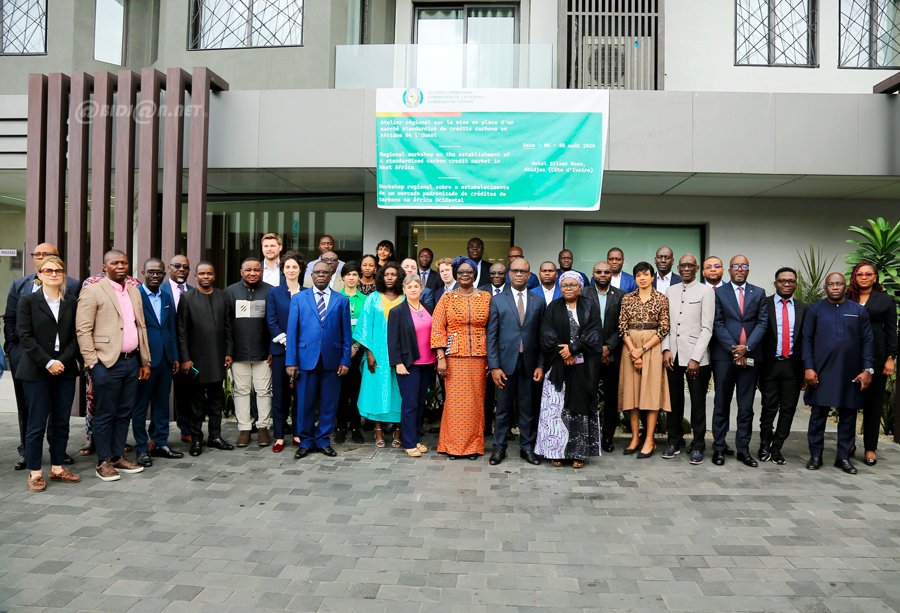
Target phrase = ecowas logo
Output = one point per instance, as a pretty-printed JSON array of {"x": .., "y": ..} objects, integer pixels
[{"x": 413, "y": 97}]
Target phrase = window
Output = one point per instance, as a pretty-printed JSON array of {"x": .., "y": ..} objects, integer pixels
[
  {"x": 775, "y": 33},
  {"x": 109, "y": 31},
  {"x": 23, "y": 27},
  {"x": 447, "y": 238},
  {"x": 234, "y": 24},
  {"x": 466, "y": 46},
  {"x": 870, "y": 34}
]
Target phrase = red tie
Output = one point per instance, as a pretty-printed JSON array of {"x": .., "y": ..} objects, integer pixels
[
  {"x": 785, "y": 330},
  {"x": 743, "y": 339}
]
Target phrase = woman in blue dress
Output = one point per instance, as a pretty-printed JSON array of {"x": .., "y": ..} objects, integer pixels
[{"x": 379, "y": 395}]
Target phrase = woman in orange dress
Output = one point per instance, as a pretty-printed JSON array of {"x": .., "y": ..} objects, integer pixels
[{"x": 458, "y": 335}]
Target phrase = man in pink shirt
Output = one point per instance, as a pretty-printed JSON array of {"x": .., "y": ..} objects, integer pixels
[{"x": 112, "y": 336}]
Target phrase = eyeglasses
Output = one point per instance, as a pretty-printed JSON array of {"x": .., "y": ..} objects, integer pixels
[
  {"x": 739, "y": 267},
  {"x": 786, "y": 281},
  {"x": 465, "y": 273},
  {"x": 716, "y": 266},
  {"x": 180, "y": 266},
  {"x": 860, "y": 273},
  {"x": 602, "y": 272},
  {"x": 518, "y": 271},
  {"x": 569, "y": 285},
  {"x": 52, "y": 272},
  {"x": 41, "y": 254}
]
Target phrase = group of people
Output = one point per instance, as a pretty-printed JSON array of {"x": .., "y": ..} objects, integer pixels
[{"x": 318, "y": 349}]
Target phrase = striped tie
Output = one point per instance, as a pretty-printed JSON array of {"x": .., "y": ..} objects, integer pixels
[{"x": 320, "y": 305}]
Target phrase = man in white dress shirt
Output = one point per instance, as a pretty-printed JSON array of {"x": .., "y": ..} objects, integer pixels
[
  {"x": 271, "y": 248},
  {"x": 326, "y": 245}
]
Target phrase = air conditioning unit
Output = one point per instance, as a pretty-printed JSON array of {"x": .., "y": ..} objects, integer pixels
[{"x": 617, "y": 62}]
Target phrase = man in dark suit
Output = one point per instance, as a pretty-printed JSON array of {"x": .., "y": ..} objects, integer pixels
[
  {"x": 430, "y": 278},
  {"x": 548, "y": 290},
  {"x": 175, "y": 286},
  {"x": 608, "y": 300},
  {"x": 664, "y": 277},
  {"x": 514, "y": 253},
  {"x": 162, "y": 334},
  {"x": 620, "y": 279},
  {"x": 515, "y": 359},
  {"x": 18, "y": 288},
  {"x": 497, "y": 276},
  {"x": 740, "y": 323},
  {"x": 475, "y": 251},
  {"x": 781, "y": 372},
  {"x": 318, "y": 352}
]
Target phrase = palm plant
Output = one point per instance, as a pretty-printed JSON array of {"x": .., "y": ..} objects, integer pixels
[{"x": 811, "y": 274}]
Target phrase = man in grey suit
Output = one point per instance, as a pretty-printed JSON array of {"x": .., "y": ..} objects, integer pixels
[
  {"x": 515, "y": 359},
  {"x": 692, "y": 311}
]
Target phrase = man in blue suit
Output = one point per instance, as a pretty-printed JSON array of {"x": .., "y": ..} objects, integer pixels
[
  {"x": 162, "y": 334},
  {"x": 739, "y": 328},
  {"x": 176, "y": 286},
  {"x": 318, "y": 352},
  {"x": 548, "y": 290},
  {"x": 620, "y": 279},
  {"x": 515, "y": 359}
]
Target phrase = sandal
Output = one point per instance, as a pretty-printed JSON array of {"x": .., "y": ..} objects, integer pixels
[
  {"x": 414, "y": 453},
  {"x": 556, "y": 463},
  {"x": 379, "y": 438},
  {"x": 86, "y": 450},
  {"x": 37, "y": 484},
  {"x": 422, "y": 448},
  {"x": 577, "y": 464},
  {"x": 395, "y": 443}
]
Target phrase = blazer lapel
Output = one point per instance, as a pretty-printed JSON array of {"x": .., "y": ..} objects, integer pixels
[
  {"x": 42, "y": 304},
  {"x": 111, "y": 294}
]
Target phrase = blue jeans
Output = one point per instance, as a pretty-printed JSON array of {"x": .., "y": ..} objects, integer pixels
[
  {"x": 413, "y": 392},
  {"x": 49, "y": 406},
  {"x": 154, "y": 392},
  {"x": 115, "y": 391}
]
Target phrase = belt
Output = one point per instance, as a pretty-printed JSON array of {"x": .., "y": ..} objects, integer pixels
[
  {"x": 644, "y": 326},
  {"x": 128, "y": 355}
]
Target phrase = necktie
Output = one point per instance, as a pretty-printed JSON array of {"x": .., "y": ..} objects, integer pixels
[
  {"x": 785, "y": 330},
  {"x": 496, "y": 290},
  {"x": 320, "y": 305},
  {"x": 743, "y": 339},
  {"x": 181, "y": 288},
  {"x": 520, "y": 306},
  {"x": 424, "y": 277}
]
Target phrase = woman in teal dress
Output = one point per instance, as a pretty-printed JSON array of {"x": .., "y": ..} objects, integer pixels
[{"x": 379, "y": 395}]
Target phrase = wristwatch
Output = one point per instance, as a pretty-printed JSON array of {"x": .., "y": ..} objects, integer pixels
[{"x": 871, "y": 371}]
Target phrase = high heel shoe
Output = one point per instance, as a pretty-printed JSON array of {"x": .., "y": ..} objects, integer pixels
[
  {"x": 643, "y": 456},
  {"x": 379, "y": 438},
  {"x": 631, "y": 450}
]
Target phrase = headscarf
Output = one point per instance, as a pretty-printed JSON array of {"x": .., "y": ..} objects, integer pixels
[
  {"x": 461, "y": 259},
  {"x": 571, "y": 274}
]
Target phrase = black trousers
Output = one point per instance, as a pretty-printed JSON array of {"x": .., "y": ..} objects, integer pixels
[
  {"x": 518, "y": 392},
  {"x": 609, "y": 392},
  {"x": 183, "y": 386},
  {"x": 846, "y": 431},
  {"x": 115, "y": 393},
  {"x": 50, "y": 403},
  {"x": 208, "y": 401},
  {"x": 873, "y": 405},
  {"x": 347, "y": 409},
  {"x": 697, "y": 391},
  {"x": 780, "y": 385},
  {"x": 731, "y": 378}
]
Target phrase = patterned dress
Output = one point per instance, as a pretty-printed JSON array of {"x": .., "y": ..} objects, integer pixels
[
  {"x": 379, "y": 396},
  {"x": 648, "y": 388},
  {"x": 459, "y": 327}
]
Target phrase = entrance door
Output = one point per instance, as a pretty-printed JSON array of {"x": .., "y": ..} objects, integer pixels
[{"x": 447, "y": 238}]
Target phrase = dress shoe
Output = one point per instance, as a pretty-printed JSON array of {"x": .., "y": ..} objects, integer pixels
[
  {"x": 747, "y": 459},
  {"x": 20, "y": 463},
  {"x": 777, "y": 458},
  {"x": 106, "y": 472},
  {"x": 302, "y": 452},
  {"x": 329, "y": 451},
  {"x": 530, "y": 457},
  {"x": 277, "y": 447},
  {"x": 728, "y": 450},
  {"x": 608, "y": 447},
  {"x": 718, "y": 458},
  {"x": 643, "y": 456},
  {"x": 243, "y": 438},
  {"x": 124, "y": 465},
  {"x": 815, "y": 463},
  {"x": 497, "y": 456},
  {"x": 340, "y": 436},
  {"x": 68, "y": 460},
  {"x": 219, "y": 443},
  {"x": 670, "y": 452},
  {"x": 764, "y": 453},
  {"x": 143, "y": 458},
  {"x": 263, "y": 439},
  {"x": 165, "y": 451},
  {"x": 357, "y": 437},
  {"x": 696, "y": 457},
  {"x": 196, "y": 448},
  {"x": 845, "y": 466}
]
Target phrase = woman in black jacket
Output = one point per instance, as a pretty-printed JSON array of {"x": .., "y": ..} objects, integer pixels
[
  {"x": 410, "y": 352},
  {"x": 867, "y": 291},
  {"x": 46, "y": 327}
]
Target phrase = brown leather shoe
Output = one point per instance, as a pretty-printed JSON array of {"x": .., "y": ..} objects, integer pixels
[
  {"x": 64, "y": 476},
  {"x": 106, "y": 472},
  {"x": 36, "y": 484},
  {"x": 124, "y": 465},
  {"x": 263, "y": 438},
  {"x": 243, "y": 438}
]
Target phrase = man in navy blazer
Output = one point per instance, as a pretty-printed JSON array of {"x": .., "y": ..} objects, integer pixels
[
  {"x": 739, "y": 328},
  {"x": 620, "y": 279},
  {"x": 22, "y": 287},
  {"x": 515, "y": 359},
  {"x": 318, "y": 352},
  {"x": 548, "y": 290},
  {"x": 175, "y": 286},
  {"x": 162, "y": 334}
]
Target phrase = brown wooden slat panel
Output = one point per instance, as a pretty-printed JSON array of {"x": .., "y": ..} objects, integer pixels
[
  {"x": 35, "y": 174},
  {"x": 125, "y": 145},
  {"x": 173, "y": 160},
  {"x": 55, "y": 190},
  {"x": 148, "y": 166},
  {"x": 81, "y": 114}
]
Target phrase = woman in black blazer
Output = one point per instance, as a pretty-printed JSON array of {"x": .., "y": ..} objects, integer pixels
[
  {"x": 410, "y": 352},
  {"x": 866, "y": 290},
  {"x": 46, "y": 327}
]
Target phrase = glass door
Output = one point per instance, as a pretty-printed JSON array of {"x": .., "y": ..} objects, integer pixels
[{"x": 447, "y": 238}]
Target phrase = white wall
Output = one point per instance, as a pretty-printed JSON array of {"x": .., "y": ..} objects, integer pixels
[
  {"x": 768, "y": 231},
  {"x": 699, "y": 55}
]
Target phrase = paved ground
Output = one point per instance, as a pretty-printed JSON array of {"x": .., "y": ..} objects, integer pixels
[{"x": 376, "y": 531}]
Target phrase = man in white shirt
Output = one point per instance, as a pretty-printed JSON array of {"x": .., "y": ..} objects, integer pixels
[
  {"x": 549, "y": 288},
  {"x": 497, "y": 275},
  {"x": 271, "y": 248},
  {"x": 664, "y": 277},
  {"x": 330, "y": 258},
  {"x": 325, "y": 245},
  {"x": 713, "y": 271}
]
